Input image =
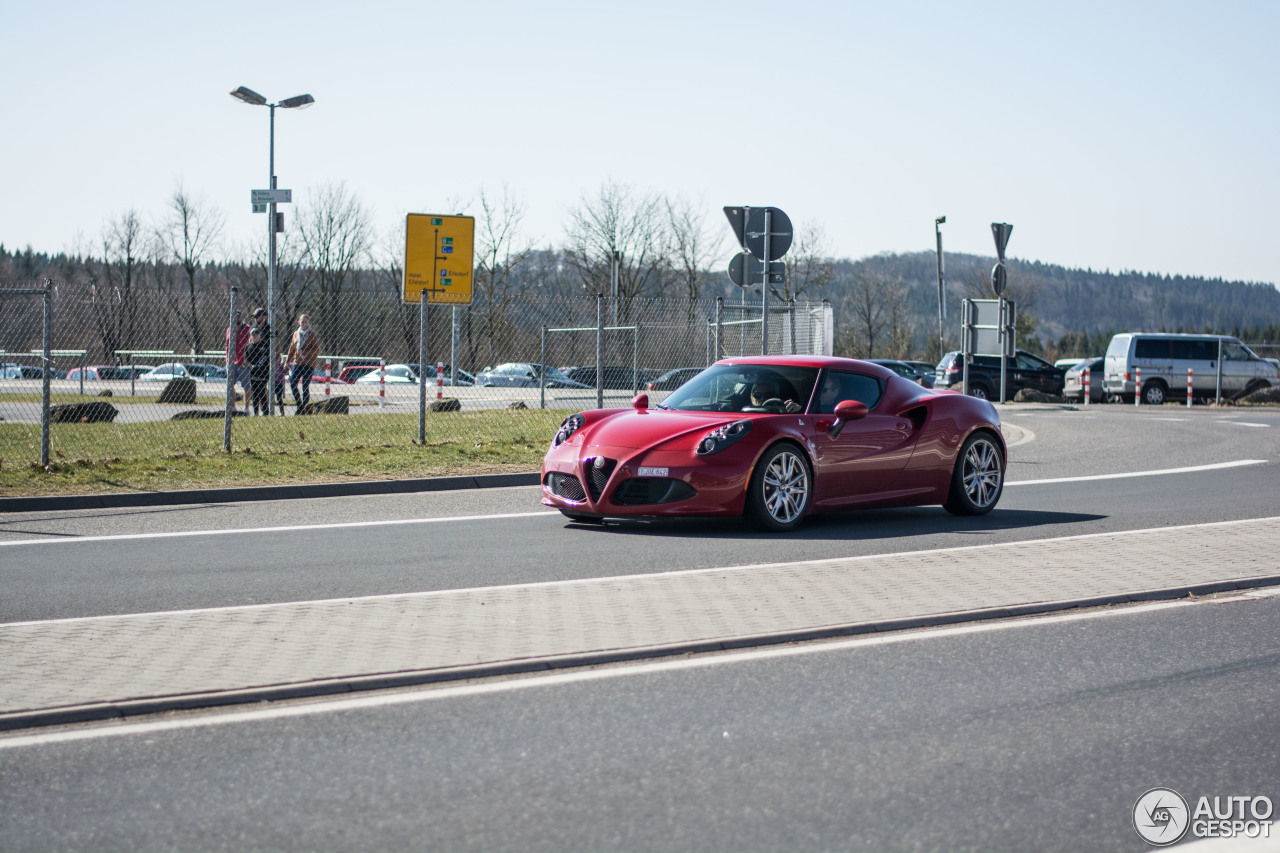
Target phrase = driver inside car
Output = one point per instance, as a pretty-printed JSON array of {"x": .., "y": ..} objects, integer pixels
[{"x": 764, "y": 395}]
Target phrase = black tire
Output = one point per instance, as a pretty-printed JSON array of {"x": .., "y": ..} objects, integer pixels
[
  {"x": 982, "y": 392},
  {"x": 781, "y": 489},
  {"x": 978, "y": 478},
  {"x": 1154, "y": 393},
  {"x": 579, "y": 518}
]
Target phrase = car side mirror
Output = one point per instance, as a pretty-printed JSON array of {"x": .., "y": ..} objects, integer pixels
[
  {"x": 847, "y": 410},
  {"x": 640, "y": 403}
]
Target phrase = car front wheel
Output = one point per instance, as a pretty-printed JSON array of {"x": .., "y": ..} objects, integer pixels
[
  {"x": 781, "y": 489},
  {"x": 1153, "y": 393},
  {"x": 978, "y": 478}
]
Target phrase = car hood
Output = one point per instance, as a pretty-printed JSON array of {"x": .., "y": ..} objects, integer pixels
[{"x": 640, "y": 430}]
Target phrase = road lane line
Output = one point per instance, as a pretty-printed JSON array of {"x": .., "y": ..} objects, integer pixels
[
  {"x": 1239, "y": 463},
  {"x": 325, "y": 706},
  {"x": 721, "y": 570},
  {"x": 292, "y": 528}
]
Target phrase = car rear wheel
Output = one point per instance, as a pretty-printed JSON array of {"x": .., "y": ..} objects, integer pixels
[
  {"x": 982, "y": 392},
  {"x": 978, "y": 478},
  {"x": 1154, "y": 393},
  {"x": 781, "y": 489}
]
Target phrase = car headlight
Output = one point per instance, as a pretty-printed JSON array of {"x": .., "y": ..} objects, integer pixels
[
  {"x": 721, "y": 437},
  {"x": 571, "y": 424}
]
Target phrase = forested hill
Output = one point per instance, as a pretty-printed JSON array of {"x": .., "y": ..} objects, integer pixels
[{"x": 1085, "y": 301}]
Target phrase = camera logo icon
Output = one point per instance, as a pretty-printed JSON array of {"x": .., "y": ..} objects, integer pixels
[{"x": 1161, "y": 817}]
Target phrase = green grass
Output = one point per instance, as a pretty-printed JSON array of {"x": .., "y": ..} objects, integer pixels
[{"x": 165, "y": 455}]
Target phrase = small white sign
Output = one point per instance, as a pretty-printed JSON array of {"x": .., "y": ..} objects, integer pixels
[
  {"x": 271, "y": 196},
  {"x": 654, "y": 472}
]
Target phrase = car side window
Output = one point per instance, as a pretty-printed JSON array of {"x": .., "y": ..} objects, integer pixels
[
  {"x": 838, "y": 386},
  {"x": 1233, "y": 352}
]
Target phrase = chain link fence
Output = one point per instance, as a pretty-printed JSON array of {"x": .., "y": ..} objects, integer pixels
[{"x": 132, "y": 377}]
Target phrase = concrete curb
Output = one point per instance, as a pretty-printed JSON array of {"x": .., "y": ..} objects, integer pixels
[
  {"x": 264, "y": 493},
  {"x": 332, "y": 687}
]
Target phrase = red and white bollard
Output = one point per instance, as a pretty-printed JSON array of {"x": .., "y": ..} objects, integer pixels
[
  {"x": 1189, "y": 393},
  {"x": 439, "y": 380},
  {"x": 328, "y": 376},
  {"x": 1137, "y": 386},
  {"x": 1086, "y": 386},
  {"x": 382, "y": 384}
]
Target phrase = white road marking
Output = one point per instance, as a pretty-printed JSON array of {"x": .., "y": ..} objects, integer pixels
[
  {"x": 284, "y": 529},
  {"x": 1239, "y": 463},
  {"x": 427, "y": 694},
  {"x": 1027, "y": 435},
  {"x": 720, "y": 570},
  {"x": 1246, "y": 424}
]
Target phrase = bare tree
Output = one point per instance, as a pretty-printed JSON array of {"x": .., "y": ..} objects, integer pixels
[
  {"x": 694, "y": 244},
  {"x": 116, "y": 281},
  {"x": 335, "y": 233},
  {"x": 618, "y": 223},
  {"x": 880, "y": 325},
  {"x": 501, "y": 250},
  {"x": 186, "y": 236},
  {"x": 810, "y": 268}
]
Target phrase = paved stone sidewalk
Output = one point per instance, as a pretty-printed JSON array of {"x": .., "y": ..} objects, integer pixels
[{"x": 149, "y": 659}]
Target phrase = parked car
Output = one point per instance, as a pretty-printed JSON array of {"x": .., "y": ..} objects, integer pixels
[
  {"x": 673, "y": 379},
  {"x": 99, "y": 373},
  {"x": 464, "y": 378},
  {"x": 616, "y": 377},
  {"x": 353, "y": 372},
  {"x": 1024, "y": 371},
  {"x": 905, "y": 370},
  {"x": 185, "y": 370},
  {"x": 523, "y": 374},
  {"x": 925, "y": 368},
  {"x": 1073, "y": 389},
  {"x": 1165, "y": 358},
  {"x": 396, "y": 374},
  {"x": 28, "y": 371},
  {"x": 730, "y": 443}
]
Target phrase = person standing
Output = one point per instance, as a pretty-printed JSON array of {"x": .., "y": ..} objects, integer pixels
[
  {"x": 259, "y": 357},
  {"x": 239, "y": 369},
  {"x": 304, "y": 350}
]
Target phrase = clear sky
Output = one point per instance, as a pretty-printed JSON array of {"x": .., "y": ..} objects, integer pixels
[{"x": 1113, "y": 135}]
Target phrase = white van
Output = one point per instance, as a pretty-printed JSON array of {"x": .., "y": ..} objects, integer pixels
[{"x": 1165, "y": 358}]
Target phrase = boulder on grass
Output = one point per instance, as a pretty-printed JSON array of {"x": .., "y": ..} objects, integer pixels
[
  {"x": 1262, "y": 396},
  {"x": 339, "y": 405},
  {"x": 1031, "y": 395},
  {"x": 205, "y": 414},
  {"x": 83, "y": 413},
  {"x": 517, "y": 405},
  {"x": 179, "y": 390},
  {"x": 448, "y": 404}
]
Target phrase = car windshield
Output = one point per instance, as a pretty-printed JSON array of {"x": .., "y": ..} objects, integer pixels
[{"x": 744, "y": 388}]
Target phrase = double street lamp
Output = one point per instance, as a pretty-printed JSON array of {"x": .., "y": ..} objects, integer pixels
[{"x": 297, "y": 102}]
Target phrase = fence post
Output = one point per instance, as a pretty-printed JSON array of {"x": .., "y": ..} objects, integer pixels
[
  {"x": 83, "y": 359},
  {"x": 791, "y": 306},
  {"x": 1218, "y": 385},
  {"x": 453, "y": 348},
  {"x": 719, "y": 327},
  {"x": 599, "y": 349},
  {"x": 232, "y": 333},
  {"x": 48, "y": 357},
  {"x": 635, "y": 362},
  {"x": 542, "y": 371},
  {"x": 422, "y": 369}
]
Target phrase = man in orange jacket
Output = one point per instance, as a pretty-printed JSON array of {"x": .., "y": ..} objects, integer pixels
[{"x": 304, "y": 349}]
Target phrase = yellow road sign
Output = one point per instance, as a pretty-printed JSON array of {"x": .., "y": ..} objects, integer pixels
[{"x": 438, "y": 258}]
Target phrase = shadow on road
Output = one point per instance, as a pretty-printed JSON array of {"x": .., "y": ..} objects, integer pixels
[{"x": 863, "y": 525}]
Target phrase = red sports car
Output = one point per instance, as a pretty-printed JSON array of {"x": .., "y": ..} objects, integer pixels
[{"x": 775, "y": 438}]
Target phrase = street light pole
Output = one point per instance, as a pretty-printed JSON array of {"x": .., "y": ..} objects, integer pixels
[
  {"x": 297, "y": 102},
  {"x": 942, "y": 288}
]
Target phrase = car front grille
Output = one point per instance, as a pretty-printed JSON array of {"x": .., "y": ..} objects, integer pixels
[
  {"x": 566, "y": 486},
  {"x": 639, "y": 491},
  {"x": 598, "y": 471}
]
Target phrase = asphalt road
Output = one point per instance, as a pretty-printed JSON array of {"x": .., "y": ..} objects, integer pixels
[
  {"x": 1020, "y": 735},
  {"x": 491, "y": 537}
]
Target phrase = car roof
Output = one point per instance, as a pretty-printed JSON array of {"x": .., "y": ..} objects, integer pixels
[{"x": 816, "y": 361}]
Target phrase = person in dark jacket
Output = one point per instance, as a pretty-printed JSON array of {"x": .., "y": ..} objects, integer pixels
[{"x": 258, "y": 356}]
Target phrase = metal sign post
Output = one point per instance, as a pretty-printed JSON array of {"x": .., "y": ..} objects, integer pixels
[
  {"x": 765, "y": 234},
  {"x": 999, "y": 280}
]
